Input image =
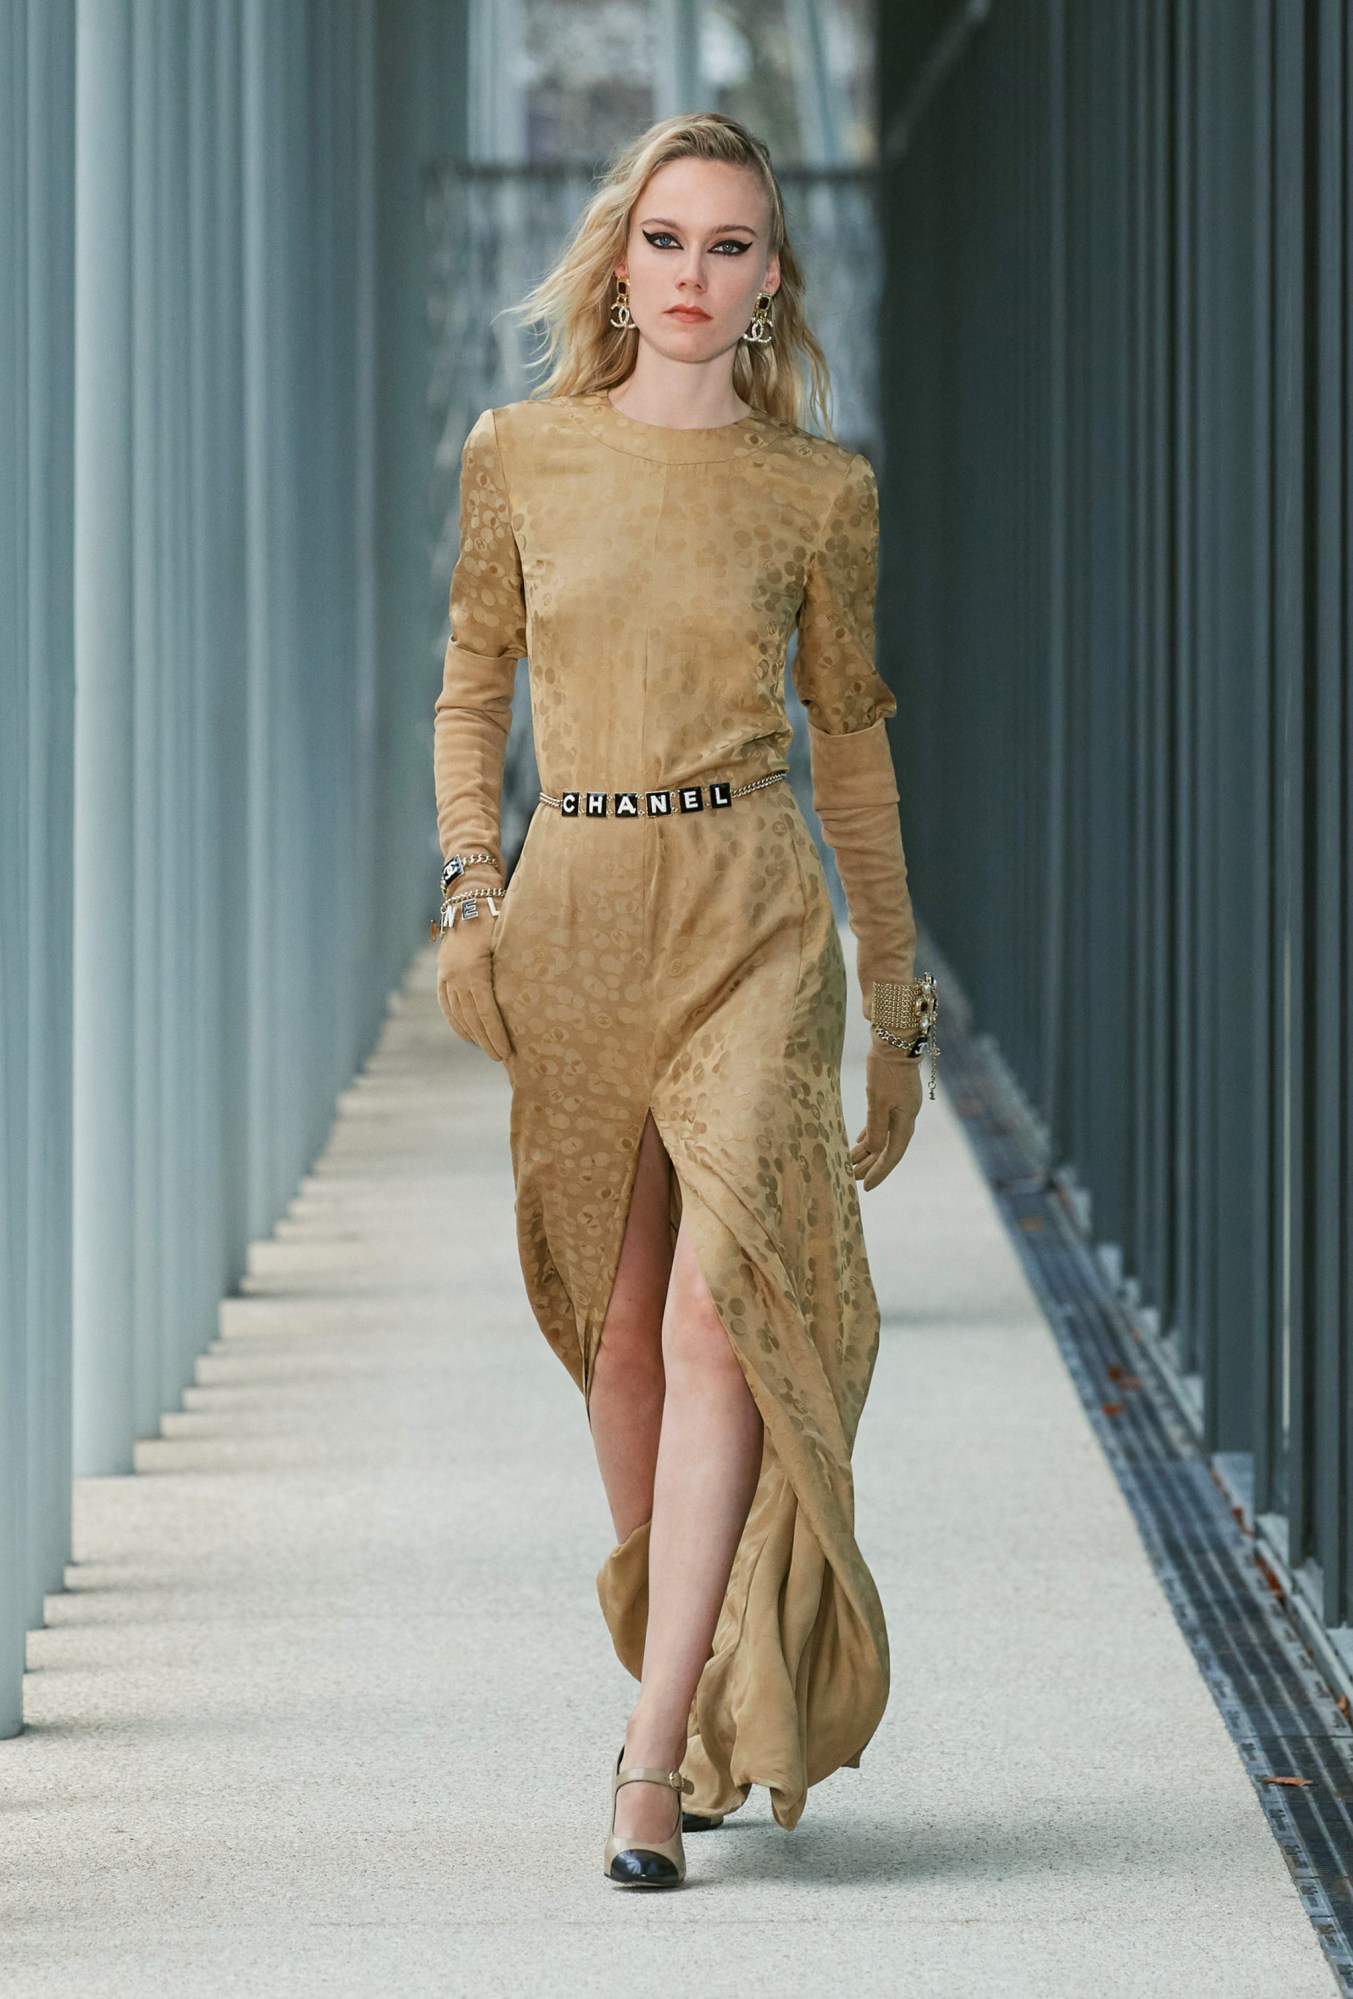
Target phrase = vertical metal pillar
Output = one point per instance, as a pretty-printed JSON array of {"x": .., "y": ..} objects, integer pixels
[
  {"x": 105, "y": 870},
  {"x": 37, "y": 142},
  {"x": 1187, "y": 1034},
  {"x": 216, "y": 672},
  {"x": 678, "y": 84}
]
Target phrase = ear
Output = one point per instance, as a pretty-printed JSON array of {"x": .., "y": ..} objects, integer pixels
[{"x": 771, "y": 282}]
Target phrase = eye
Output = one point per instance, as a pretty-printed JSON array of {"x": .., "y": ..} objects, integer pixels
[{"x": 660, "y": 237}]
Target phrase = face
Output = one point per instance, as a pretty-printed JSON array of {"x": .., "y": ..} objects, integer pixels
[{"x": 697, "y": 255}]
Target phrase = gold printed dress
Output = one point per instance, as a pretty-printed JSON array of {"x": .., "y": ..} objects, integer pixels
[{"x": 687, "y": 964}]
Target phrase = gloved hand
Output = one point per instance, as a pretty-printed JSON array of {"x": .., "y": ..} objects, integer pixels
[
  {"x": 893, "y": 1099},
  {"x": 849, "y": 705},
  {"x": 471, "y": 720},
  {"x": 465, "y": 984},
  {"x": 855, "y": 793}
]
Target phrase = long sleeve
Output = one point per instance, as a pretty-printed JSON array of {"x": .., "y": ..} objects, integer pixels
[
  {"x": 473, "y": 712},
  {"x": 849, "y": 703}
]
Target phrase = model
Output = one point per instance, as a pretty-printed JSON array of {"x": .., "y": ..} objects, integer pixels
[{"x": 663, "y": 978}]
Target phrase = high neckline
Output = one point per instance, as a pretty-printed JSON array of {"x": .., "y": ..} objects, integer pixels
[{"x": 670, "y": 444}]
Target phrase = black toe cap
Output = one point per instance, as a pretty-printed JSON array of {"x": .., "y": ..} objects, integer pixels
[{"x": 638, "y": 1864}]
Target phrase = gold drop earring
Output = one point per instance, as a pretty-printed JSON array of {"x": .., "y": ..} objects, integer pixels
[
  {"x": 620, "y": 303},
  {"x": 759, "y": 332}
]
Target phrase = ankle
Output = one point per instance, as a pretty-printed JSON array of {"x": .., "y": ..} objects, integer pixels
[{"x": 653, "y": 1740}]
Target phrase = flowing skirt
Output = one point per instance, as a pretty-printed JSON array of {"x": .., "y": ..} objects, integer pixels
[{"x": 691, "y": 967}]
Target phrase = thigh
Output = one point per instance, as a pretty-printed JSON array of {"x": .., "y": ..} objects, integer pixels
[
  {"x": 693, "y": 1335},
  {"x": 634, "y": 1313}
]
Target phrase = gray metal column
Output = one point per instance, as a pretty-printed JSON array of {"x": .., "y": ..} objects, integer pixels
[
  {"x": 217, "y": 635},
  {"x": 1152, "y": 911},
  {"x": 677, "y": 81},
  {"x": 104, "y": 876},
  {"x": 37, "y": 142}
]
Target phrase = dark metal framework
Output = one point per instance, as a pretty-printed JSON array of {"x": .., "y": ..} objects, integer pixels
[
  {"x": 1116, "y": 489},
  {"x": 1289, "y": 1730}
]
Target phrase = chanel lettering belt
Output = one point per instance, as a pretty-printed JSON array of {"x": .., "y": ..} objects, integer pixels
[{"x": 654, "y": 804}]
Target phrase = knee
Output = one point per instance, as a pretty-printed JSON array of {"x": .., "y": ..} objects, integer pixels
[{"x": 695, "y": 1343}]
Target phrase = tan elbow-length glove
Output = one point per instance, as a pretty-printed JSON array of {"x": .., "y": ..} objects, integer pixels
[
  {"x": 471, "y": 720},
  {"x": 855, "y": 794}
]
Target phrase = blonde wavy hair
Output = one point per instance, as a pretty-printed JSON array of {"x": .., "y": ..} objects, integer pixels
[{"x": 787, "y": 379}]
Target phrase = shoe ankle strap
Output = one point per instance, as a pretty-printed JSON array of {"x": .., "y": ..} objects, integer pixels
[{"x": 636, "y": 1773}]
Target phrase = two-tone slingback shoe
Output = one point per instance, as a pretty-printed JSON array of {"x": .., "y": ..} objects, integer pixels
[
  {"x": 700, "y": 1821},
  {"x": 651, "y": 1863}
]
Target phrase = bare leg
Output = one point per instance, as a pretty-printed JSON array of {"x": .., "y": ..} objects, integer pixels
[
  {"x": 624, "y": 1403},
  {"x": 709, "y": 1459}
]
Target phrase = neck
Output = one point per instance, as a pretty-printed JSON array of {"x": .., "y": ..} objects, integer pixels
[{"x": 680, "y": 395}]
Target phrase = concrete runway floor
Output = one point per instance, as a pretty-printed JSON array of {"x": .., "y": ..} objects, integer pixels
[{"x": 328, "y": 1706}]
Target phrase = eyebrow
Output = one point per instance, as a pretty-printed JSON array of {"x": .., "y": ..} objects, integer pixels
[{"x": 663, "y": 222}]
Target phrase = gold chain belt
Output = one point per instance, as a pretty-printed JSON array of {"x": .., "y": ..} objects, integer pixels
[{"x": 658, "y": 804}]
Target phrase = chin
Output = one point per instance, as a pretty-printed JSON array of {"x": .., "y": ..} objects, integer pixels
[{"x": 704, "y": 330}]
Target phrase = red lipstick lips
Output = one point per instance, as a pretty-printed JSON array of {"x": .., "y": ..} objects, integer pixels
[{"x": 691, "y": 312}]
